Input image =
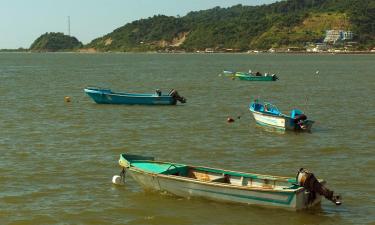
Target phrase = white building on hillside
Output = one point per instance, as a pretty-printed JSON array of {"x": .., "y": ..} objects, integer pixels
[{"x": 333, "y": 36}]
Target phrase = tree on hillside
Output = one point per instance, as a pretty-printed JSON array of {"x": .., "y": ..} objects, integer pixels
[{"x": 362, "y": 15}]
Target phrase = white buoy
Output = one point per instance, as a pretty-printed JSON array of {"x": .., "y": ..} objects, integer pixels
[
  {"x": 317, "y": 72},
  {"x": 116, "y": 179}
]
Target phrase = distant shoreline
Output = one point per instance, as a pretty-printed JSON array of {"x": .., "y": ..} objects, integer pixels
[{"x": 203, "y": 53}]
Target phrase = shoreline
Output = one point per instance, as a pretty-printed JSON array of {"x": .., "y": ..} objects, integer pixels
[{"x": 200, "y": 53}]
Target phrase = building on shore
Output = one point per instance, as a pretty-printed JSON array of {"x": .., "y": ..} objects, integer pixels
[{"x": 334, "y": 36}]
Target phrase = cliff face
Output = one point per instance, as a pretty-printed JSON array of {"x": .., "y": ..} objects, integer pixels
[{"x": 52, "y": 42}]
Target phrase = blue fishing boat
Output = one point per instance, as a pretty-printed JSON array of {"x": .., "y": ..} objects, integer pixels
[
  {"x": 295, "y": 193},
  {"x": 267, "y": 114},
  {"x": 106, "y": 96},
  {"x": 250, "y": 76}
]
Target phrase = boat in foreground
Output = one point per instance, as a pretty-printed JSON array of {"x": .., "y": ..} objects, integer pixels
[
  {"x": 106, "y": 96},
  {"x": 183, "y": 180},
  {"x": 250, "y": 76},
  {"x": 267, "y": 114}
]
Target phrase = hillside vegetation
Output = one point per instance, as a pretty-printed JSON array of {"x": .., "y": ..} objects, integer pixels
[
  {"x": 281, "y": 24},
  {"x": 311, "y": 29},
  {"x": 53, "y": 42}
]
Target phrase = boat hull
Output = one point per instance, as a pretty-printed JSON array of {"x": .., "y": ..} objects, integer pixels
[
  {"x": 186, "y": 187},
  {"x": 101, "y": 96},
  {"x": 256, "y": 78},
  {"x": 280, "y": 122}
]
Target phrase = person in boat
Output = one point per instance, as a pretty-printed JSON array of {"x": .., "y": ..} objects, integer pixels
[
  {"x": 258, "y": 74},
  {"x": 158, "y": 92}
]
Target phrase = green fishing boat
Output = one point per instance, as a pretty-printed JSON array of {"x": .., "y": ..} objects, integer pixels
[{"x": 250, "y": 76}]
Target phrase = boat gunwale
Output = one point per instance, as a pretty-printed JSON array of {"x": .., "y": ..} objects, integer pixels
[
  {"x": 210, "y": 183},
  {"x": 124, "y": 94}
]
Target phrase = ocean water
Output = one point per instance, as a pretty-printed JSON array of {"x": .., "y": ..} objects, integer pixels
[{"x": 58, "y": 158}]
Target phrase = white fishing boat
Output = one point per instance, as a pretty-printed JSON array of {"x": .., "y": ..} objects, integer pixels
[
  {"x": 301, "y": 192},
  {"x": 267, "y": 114}
]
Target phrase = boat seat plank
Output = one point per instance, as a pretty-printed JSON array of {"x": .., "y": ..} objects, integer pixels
[{"x": 244, "y": 175}]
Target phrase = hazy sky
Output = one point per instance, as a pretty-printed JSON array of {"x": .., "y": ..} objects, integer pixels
[{"x": 22, "y": 21}]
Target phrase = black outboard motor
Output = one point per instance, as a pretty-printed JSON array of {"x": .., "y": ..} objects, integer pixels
[
  {"x": 299, "y": 121},
  {"x": 274, "y": 77},
  {"x": 300, "y": 118},
  {"x": 307, "y": 180},
  {"x": 176, "y": 96}
]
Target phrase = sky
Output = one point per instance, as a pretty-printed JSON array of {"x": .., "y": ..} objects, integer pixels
[{"x": 22, "y": 21}]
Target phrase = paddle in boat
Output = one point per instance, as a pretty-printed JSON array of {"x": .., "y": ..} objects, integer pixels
[
  {"x": 106, "y": 96},
  {"x": 267, "y": 114},
  {"x": 295, "y": 193},
  {"x": 250, "y": 76}
]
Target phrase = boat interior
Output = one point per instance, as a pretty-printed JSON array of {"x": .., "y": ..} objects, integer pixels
[
  {"x": 265, "y": 108},
  {"x": 218, "y": 176}
]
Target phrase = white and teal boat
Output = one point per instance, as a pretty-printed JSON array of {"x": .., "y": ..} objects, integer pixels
[
  {"x": 183, "y": 180},
  {"x": 106, "y": 96},
  {"x": 267, "y": 114}
]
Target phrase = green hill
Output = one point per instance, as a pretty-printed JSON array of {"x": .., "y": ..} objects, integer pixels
[
  {"x": 281, "y": 24},
  {"x": 52, "y": 42}
]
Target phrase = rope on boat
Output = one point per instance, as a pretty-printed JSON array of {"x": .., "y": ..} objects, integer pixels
[{"x": 123, "y": 174}]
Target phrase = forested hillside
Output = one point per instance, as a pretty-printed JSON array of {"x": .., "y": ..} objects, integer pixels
[
  {"x": 284, "y": 24},
  {"x": 281, "y": 24}
]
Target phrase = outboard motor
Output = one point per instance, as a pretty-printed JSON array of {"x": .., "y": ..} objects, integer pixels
[
  {"x": 299, "y": 121},
  {"x": 274, "y": 77},
  {"x": 176, "y": 96},
  {"x": 307, "y": 180}
]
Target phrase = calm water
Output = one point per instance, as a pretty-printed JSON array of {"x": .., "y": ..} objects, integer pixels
[{"x": 58, "y": 158}]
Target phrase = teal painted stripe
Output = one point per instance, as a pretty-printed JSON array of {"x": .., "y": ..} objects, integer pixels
[{"x": 286, "y": 202}]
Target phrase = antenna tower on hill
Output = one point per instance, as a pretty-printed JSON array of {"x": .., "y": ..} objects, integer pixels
[{"x": 69, "y": 25}]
